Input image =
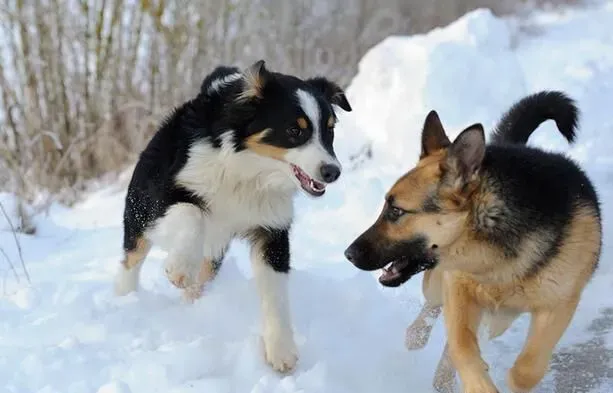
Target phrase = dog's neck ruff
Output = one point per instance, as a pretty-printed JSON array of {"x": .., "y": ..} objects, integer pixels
[{"x": 249, "y": 188}]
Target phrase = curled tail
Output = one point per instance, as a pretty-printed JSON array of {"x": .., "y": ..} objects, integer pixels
[{"x": 527, "y": 114}]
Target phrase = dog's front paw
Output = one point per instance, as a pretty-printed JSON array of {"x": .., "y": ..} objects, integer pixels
[
  {"x": 444, "y": 376},
  {"x": 479, "y": 384},
  {"x": 179, "y": 274},
  {"x": 417, "y": 335},
  {"x": 192, "y": 293},
  {"x": 524, "y": 376},
  {"x": 280, "y": 352}
]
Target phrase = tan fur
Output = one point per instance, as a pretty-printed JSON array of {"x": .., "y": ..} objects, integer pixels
[
  {"x": 302, "y": 123},
  {"x": 193, "y": 290},
  {"x": 475, "y": 281},
  {"x": 331, "y": 122},
  {"x": 255, "y": 144},
  {"x": 205, "y": 275},
  {"x": 135, "y": 257},
  {"x": 254, "y": 85}
]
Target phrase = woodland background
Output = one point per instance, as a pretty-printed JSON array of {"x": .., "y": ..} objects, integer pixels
[{"x": 83, "y": 83}]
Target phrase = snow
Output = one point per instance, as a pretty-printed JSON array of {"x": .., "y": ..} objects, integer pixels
[{"x": 68, "y": 333}]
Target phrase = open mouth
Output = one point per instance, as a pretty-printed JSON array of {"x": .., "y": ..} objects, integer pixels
[
  {"x": 391, "y": 275},
  {"x": 401, "y": 270},
  {"x": 308, "y": 184}
]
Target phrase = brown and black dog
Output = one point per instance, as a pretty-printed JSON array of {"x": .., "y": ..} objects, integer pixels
[{"x": 500, "y": 229}]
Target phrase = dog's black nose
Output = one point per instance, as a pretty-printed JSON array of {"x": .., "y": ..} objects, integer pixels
[
  {"x": 352, "y": 253},
  {"x": 330, "y": 172}
]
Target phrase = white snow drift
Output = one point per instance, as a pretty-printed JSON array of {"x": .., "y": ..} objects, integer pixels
[{"x": 67, "y": 333}]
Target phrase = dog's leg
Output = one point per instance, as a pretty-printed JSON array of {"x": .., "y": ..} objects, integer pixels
[
  {"x": 546, "y": 329},
  {"x": 444, "y": 376},
  {"x": 181, "y": 231},
  {"x": 208, "y": 270},
  {"x": 126, "y": 278},
  {"x": 418, "y": 332},
  {"x": 270, "y": 259},
  {"x": 462, "y": 318}
]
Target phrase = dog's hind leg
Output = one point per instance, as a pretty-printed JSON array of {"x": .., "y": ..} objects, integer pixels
[
  {"x": 546, "y": 329},
  {"x": 444, "y": 376},
  {"x": 126, "y": 278}
]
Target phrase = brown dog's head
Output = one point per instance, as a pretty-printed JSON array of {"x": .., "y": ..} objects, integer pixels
[{"x": 426, "y": 209}]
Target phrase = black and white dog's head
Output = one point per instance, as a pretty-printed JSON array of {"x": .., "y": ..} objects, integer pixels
[{"x": 282, "y": 118}]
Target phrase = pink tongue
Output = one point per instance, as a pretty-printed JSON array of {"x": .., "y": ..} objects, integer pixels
[{"x": 318, "y": 185}]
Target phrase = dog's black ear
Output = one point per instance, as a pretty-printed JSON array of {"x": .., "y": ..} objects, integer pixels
[
  {"x": 467, "y": 151},
  {"x": 256, "y": 77},
  {"x": 433, "y": 135},
  {"x": 333, "y": 93}
]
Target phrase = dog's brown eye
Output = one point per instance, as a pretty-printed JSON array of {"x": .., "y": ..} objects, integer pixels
[
  {"x": 393, "y": 213},
  {"x": 294, "y": 132}
]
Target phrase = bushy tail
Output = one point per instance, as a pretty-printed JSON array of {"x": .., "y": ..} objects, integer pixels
[{"x": 527, "y": 114}]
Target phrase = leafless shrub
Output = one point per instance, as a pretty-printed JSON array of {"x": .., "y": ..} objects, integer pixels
[
  {"x": 83, "y": 83},
  {"x": 11, "y": 265}
]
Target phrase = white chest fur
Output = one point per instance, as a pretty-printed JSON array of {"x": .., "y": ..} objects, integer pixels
[{"x": 242, "y": 191}]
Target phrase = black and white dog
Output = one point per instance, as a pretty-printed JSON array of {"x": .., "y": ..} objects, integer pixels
[{"x": 227, "y": 165}]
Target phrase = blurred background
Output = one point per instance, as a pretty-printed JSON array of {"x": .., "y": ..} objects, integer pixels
[{"x": 83, "y": 83}]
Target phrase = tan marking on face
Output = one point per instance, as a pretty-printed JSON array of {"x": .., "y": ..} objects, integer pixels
[
  {"x": 410, "y": 192},
  {"x": 331, "y": 122},
  {"x": 302, "y": 123},
  {"x": 255, "y": 144}
]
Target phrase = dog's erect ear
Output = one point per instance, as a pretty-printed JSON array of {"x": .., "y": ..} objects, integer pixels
[
  {"x": 433, "y": 135},
  {"x": 256, "y": 76},
  {"x": 467, "y": 151},
  {"x": 333, "y": 93}
]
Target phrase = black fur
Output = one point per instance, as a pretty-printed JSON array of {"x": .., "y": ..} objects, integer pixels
[
  {"x": 274, "y": 245},
  {"x": 278, "y": 98},
  {"x": 331, "y": 91},
  {"x": 519, "y": 122},
  {"x": 530, "y": 179},
  {"x": 215, "y": 110},
  {"x": 540, "y": 193}
]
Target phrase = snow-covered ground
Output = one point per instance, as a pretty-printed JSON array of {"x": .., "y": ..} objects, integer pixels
[{"x": 67, "y": 333}]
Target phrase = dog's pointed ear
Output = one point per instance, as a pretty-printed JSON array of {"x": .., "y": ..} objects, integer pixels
[
  {"x": 331, "y": 91},
  {"x": 433, "y": 135},
  {"x": 256, "y": 76},
  {"x": 467, "y": 151}
]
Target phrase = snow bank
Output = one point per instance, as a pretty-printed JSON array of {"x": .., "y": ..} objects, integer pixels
[
  {"x": 467, "y": 72},
  {"x": 67, "y": 333}
]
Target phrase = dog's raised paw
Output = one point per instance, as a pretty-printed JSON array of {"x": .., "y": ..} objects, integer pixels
[
  {"x": 178, "y": 276},
  {"x": 192, "y": 293},
  {"x": 417, "y": 335},
  {"x": 178, "y": 280},
  {"x": 448, "y": 386}
]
